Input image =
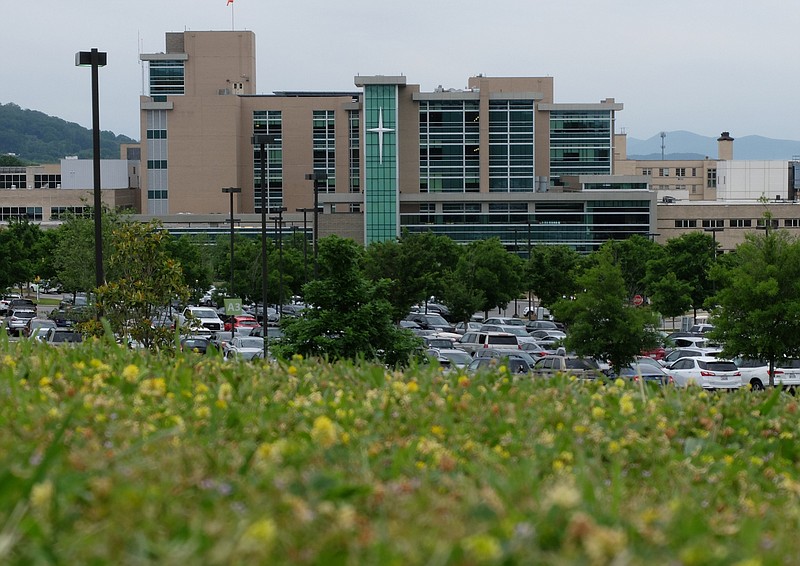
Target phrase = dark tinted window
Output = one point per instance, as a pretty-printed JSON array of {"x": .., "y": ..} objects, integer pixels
[
  {"x": 580, "y": 363},
  {"x": 503, "y": 340},
  {"x": 718, "y": 366}
]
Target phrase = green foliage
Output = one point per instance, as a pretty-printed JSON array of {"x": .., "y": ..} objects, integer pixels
[
  {"x": 143, "y": 280},
  {"x": 418, "y": 267},
  {"x": 758, "y": 306},
  {"x": 22, "y": 248},
  {"x": 37, "y": 137},
  {"x": 633, "y": 255},
  {"x": 349, "y": 316},
  {"x": 689, "y": 257},
  {"x": 112, "y": 456},
  {"x": 550, "y": 272},
  {"x": 487, "y": 270},
  {"x": 601, "y": 320},
  {"x": 190, "y": 253}
]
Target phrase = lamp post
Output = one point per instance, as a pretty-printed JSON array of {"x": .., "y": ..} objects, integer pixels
[
  {"x": 279, "y": 230},
  {"x": 305, "y": 241},
  {"x": 317, "y": 177},
  {"x": 653, "y": 236},
  {"x": 95, "y": 59},
  {"x": 714, "y": 231},
  {"x": 231, "y": 191},
  {"x": 262, "y": 140}
]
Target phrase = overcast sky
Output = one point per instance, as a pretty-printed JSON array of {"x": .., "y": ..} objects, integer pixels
[{"x": 704, "y": 66}]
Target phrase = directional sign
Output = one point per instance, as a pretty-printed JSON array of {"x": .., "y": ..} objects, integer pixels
[{"x": 233, "y": 306}]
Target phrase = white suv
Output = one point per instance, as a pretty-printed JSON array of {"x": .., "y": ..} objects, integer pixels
[
  {"x": 472, "y": 341},
  {"x": 207, "y": 317},
  {"x": 756, "y": 373}
]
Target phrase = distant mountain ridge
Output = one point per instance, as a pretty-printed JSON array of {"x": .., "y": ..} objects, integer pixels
[
  {"x": 687, "y": 145},
  {"x": 35, "y": 137}
]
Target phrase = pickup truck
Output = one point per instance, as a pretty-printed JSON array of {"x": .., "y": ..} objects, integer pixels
[{"x": 199, "y": 319}]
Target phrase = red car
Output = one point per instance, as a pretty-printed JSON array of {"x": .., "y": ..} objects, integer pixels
[
  {"x": 241, "y": 324},
  {"x": 657, "y": 354}
]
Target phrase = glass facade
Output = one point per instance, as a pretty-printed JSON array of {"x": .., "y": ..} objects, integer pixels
[
  {"x": 157, "y": 172},
  {"x": 166, "y": 77},
  {"x": 449, "y": 137},
  {"x": 268, "y": 122},
  {"x": 32, "y": 213},
  {"x": 511, "y": 146},
  {"x": 381, "y": 182},
  {"x": 354, "y": 147},
  {"x": 324, "y": 139},
  {"x": 581, "y": 143}
]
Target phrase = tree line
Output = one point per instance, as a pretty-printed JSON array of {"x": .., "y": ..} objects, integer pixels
[{"x": 361, "y": 293}]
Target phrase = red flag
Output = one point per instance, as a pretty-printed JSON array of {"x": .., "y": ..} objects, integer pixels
[{"x": 229, "y": 2}]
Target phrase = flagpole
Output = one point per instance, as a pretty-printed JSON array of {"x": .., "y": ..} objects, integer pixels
[{"x": 232, "y": 27}]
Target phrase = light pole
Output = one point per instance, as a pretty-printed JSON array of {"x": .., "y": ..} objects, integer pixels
[
  {"x": 262, "y": 140},
  {"x": 317, "y": 177},
  {"x": 231, "y": 191},
  {"x": 95, "y": 59},
  {"x": 714, "y": 231},
  {"x": 653, "y": 236},
  {"x": 279, "y": 223},
  {"x": 305, "y": 241}
]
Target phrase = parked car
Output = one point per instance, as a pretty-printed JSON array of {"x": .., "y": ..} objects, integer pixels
[
  {"x": 200, "y": 317},
  {"x": 36, "y": 322},
  {"x": 582, "y": 368},
  {"x": 707, "y": 372},
  {"x": 756, "y": 373},
  {"x": 241, "y": 324},
  {"x": 691, "y": 342},
  {"x": 434, "y": 341},
  {"x": 532, "y": 325},
  {"x": 472, "y": 341},
  {"x": 60, "y": 336},
  {"x": 679, "y": 353},
  {"x": 244, "y": 348},
  {"x": 700, "y": 329},
  {"x": 16, "y": 321},
  {"x": 506, "y": 353},
  {"x": 512, "y": 364},
  {"x": 648, "y": 372},
  {"x": 471, "y": 326},
  {"x": 450, "y": 357},
  {"x": 197, "y": 344},
  {"x": 519, "y": 331},
  {"x": 505, "y": 321},
  {"x": 431, "y": 321}
]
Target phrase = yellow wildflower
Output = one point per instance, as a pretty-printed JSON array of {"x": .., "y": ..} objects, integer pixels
[
  {"x": 225, "y": 392},
  {"x": 130, "y": 373},
  {"x": 42, "y": 494},
  {"x": 324, "y": 431},
  {"x": 598, "y": 412},
  {"x": 483, "y": 548},
  {"x": 259, "y": 536},
  {"x": 626, "y": 405},
  {"x": 412, "y": 387}
]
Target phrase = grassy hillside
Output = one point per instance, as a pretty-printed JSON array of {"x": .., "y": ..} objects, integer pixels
[
  {"x": 113, "y": 456},
  {"x": 36, "y": 137}
]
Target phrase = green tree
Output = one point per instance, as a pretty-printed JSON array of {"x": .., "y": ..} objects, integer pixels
[
  {"x": 20, "y": 253},
  {"x": 757, "y": 312},
  {"x": 143, "y": 280},
  {"x": 195, "y": 264},
  {"x": 417, "y": 265},
  {"x": 601, "y": 320},
  {"x": 690, "y": 257},
  {"x": 633, "y": 255},
  {"x": 550, "y": 272},
  {"x": 351, "y": 316},
  {"x": 668, "y": 295}
]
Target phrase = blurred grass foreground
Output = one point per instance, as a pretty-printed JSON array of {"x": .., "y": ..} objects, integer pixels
[{"x": 115, "y": 456}]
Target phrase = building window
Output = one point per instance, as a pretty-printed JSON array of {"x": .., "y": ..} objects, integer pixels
[
  {"x": 166, "y": 77},
  {"x": 62, "y": 212},
  {"x": 355, "y": 207},
  {"x": 355, "y": 151},
  {"x": 714, "y": 223},
  {"x": 13, "y": 181},
  {"x": 740, "y": 223},
  {"x": 46, "y": 181},
  {"x": 580, "y": 143},
  {"x": 449, "y": 133},
  {"x": 324, "y": 135},
  {"x": 680, "y": 171},
  {"x": 761, "y": 222},
  {"x": 694, "y": 172},
  {"x": 711, "y": 179},
  {"x": 33, "y": 213},
  {"x": 792, "y": 223},
  {"x": 686, "y": 224},
  {"x": 647, "y": 171},
  {"x": 663, "y": 172},
  {"x": 268, "y": 122}
]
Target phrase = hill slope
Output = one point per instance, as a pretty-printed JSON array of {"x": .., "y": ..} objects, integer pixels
[
  {"x": 687, "y": 145},
  {"x": 38, "y": 138}
]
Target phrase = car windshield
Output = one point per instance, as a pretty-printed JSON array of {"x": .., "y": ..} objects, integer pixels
[
  {"x": 436, "y": 320},
  {"x": 459, "y": 358},
  {"x": 517, "y": 331},
  {"x": 204, "y": 313},
  {"x": 24, "y": 314},
  {"x": 507, "y": 340},
  {"x": 251, "y": 343},
  {"x": 66, "y": 337}
]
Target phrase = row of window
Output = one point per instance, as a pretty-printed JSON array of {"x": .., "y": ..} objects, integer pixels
[
  {"x": 665, "y": 171},
  {"x": 736, "y": 223}
]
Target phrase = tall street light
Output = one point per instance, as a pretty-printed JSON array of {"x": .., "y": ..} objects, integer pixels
[
  {"x": 279, "y": 231},
  {"x": 305, "y": 240},
  {"x": 714, "y": 231},
  {"x": 262, "y": 140},
  {"x": 317, "y": 177},
  {"x": 231, "y": 191},
  {"x": 95, "y": 59}
]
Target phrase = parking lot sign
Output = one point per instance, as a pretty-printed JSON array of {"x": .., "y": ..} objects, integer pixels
[{"x": 233, "y": 306}]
